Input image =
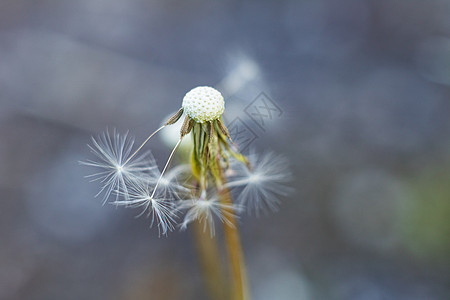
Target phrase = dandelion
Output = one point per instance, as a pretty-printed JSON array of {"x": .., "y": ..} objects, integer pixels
[{"x": 216, "y": 166}]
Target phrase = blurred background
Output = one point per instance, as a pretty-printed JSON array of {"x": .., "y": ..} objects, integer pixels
[{"x": 354, "y": 93}]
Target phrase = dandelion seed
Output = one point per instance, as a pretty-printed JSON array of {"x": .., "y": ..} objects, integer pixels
[
  {"x": 205, "y": 210},
  {"x": 116, "y": 168},
  {"x": 262, "y": 184},
  {"x": 162, "y": 211}
]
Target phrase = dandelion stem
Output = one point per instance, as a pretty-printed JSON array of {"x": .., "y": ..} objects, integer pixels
[
  {"x": 234, "y": 247},
  {"x": 145, "y": 142},
  {"x": 209, "y": 256}
]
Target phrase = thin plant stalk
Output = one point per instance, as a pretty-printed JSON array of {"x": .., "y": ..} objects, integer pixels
[
  {"x": 209, "y": 256},
  {"x": 235, "y": 254},
  {"x": 234, "y": 247}
]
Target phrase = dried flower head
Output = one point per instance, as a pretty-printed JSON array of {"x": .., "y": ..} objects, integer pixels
[
  {"x": 203, "y": 104},
  {"x": 137, "y": 182}
]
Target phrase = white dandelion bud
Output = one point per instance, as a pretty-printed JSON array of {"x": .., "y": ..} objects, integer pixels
[{"x": 203, "y": 104}]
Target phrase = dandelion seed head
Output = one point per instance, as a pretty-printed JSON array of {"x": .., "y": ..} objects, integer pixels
[{"x": 203, "y": 104}]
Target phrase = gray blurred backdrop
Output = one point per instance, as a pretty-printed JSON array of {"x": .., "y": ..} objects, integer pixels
[{"x": 357, "y": 97}]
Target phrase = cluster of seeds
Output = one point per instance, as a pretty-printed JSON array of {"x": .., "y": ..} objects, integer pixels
[
  {"x": 219, "y": 170},
  {"x": 203, "y": 104}
]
